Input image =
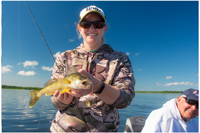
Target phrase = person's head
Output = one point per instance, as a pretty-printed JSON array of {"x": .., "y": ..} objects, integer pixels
[
  {"x": 92, "y": 27},
  {"x": 188, "y": 104}
]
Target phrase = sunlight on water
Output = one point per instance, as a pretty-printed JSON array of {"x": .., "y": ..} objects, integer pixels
[
  {"x": 17, "y": 114},
  {"x": 18, "y": 117}
]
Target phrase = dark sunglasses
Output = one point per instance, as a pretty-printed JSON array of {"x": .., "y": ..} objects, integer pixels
[
  {"x": 96, "y": 24},
  {"x": 192, "y": 102}
]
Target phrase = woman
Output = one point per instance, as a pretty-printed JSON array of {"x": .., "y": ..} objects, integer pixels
[{"x": 111, "y": 75}]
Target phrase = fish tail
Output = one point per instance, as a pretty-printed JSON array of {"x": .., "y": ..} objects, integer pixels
[{"x": 34, "y": 98}]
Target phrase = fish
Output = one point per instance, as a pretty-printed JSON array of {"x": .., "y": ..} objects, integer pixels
[{"x": 73, "y": 79}]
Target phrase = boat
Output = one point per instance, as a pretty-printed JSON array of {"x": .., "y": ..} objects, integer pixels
[{"x": 134, "y": 124}]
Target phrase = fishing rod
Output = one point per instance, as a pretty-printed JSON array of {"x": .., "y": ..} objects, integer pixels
[
  {"x": 40, "y": 31},
  {"x": 55, "y": 62}
]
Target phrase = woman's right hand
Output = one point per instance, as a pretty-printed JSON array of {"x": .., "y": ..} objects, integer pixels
[{"x": 64, "y": 98}]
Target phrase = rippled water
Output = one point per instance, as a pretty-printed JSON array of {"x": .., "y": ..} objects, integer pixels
[{"x": 18, "y": 117}]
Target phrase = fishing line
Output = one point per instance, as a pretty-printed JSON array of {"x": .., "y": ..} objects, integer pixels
[
  {"x": 82, "y": 115},
  {"x": 41, "y": 115},
  {"x": 47, "y": 48},
  {"x": 53, "y": 60},
  {"x": 20, "y": 96}
]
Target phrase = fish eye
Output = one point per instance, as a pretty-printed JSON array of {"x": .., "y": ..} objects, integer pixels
[{"x": 80, "y": 77}]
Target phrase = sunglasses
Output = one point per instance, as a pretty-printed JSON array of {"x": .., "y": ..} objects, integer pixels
[
  {"x": 96, "y": 24},
  {"x": 192, "y": 102}
]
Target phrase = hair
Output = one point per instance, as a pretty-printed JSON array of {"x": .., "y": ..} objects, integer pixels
[{"x": 102, "y": 40}]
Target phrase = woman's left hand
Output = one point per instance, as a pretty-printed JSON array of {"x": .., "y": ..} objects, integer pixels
[
  {"x": 81, "y": 92},
  {"x": 109, "y": 95}
]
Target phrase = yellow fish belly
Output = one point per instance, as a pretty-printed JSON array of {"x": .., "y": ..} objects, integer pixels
[{"x": 48, "y": 90}]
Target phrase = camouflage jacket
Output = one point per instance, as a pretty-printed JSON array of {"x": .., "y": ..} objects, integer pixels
[{"x": 110, "y": 66}]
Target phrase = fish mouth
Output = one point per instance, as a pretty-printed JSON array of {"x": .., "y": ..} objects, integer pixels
[{"x": 87, "y": 84}]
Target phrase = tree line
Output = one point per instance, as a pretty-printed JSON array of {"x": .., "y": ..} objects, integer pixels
[
  {"x": 37, "y": 88},
  {"x": 159, "y": 91},
  {"x": 20, "y": 87}
]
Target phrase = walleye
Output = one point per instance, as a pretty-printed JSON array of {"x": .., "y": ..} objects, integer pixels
[{"x": 73, "y": 80}]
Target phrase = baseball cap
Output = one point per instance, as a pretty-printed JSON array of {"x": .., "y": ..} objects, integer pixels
[
  {"x": 90, "y": 9},
  {"x": 191, "y": 94}
]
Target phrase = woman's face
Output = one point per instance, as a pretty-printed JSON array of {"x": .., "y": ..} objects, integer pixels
[{"x": 92, "y": 36}]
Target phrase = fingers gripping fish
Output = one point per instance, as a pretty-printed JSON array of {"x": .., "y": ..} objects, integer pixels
[{"x": 73, "y": 80}]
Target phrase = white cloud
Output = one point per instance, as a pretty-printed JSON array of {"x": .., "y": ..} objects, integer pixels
[
  {"x": 127, "y": 53},
  {"x": 19, "y": 63},
  {"x": 136, "y": 54},
  {"x": 180, "y": 83},
  {"x": 47, "y": 68},
  {"x": 29, "y": 63},
  {"x": 196, "y": 75},
  {"x": 6, "y": 69},
  {"x": 168, "y": 77},
  {"x": 56, "y": 55},
  {"x": 158, "y": 84},
  {"x": 71, "y": 40},
  {"x": 139, "y": 69},
  {"x": 28, "y": 73}
]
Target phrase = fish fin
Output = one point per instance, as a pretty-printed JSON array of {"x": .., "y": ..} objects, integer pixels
[
  {"x": 49, "y": 93},
  {"x": 34, "y": 98},
  {"x": 50, "y": 82},
  {"x": 71, "y": 71},
  {"x": 65, "y": 90},
  {"x": 64, "y": 81}
]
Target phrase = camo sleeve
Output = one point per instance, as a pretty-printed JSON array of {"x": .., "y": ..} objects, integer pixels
[
  {"x": 58, "y": 69},
  {"x": 125, "y": 81},
  {"x": 57, "y": 104},
  {"x": 59, "y": 66}
]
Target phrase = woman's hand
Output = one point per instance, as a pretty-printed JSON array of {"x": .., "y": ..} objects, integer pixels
[
  {"x": 68, "y": 96},
  {"x": 110, "y": 93},
  {"x": 95, "y": 82},
  {"x": 81, "y": 92},
  {"x": 64, "y": 98}
]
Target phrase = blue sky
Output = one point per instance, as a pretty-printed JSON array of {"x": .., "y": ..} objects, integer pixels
[{"x": 160, "y": 38}]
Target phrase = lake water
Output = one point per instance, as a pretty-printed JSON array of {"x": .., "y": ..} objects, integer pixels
[{"x": 18, "y": 117}]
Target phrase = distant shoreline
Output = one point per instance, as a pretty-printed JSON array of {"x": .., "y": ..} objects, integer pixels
[
  {"x": 38, "y": 88},
  {"x": 20, "y": 87},
  {"x": 163, "y": 92}
]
